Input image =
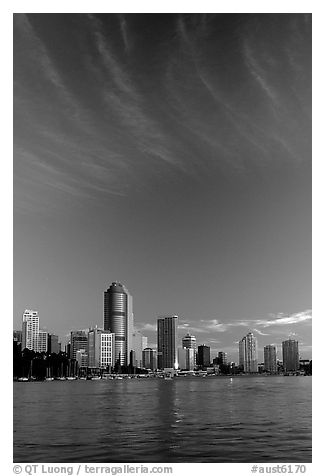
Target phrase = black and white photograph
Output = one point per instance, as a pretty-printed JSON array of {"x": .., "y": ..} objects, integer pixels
[{"x": 162, "y": 239}]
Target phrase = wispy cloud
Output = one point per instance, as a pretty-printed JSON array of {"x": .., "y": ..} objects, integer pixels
[
  {"x": 124, "y": 32},
  {"x": 228, "y": 111},
  {"x": 146, "y": 327},
  {"x": 214, "y": 324},
  {"x": 259, "y": 74},
  {"x": 260, "y": 332},
  {"x": 40, "y": 57},
  {"x": 129, "y": 104},
  {"x": 274, "y": 320},
  {"x": 282, "y": 319},
  {"x": 76, "y": 165}
]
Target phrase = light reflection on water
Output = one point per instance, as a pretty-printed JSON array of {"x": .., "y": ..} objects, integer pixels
[{"x": 251, "y": 419}]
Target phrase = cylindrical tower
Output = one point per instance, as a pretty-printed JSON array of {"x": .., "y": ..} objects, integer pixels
[
  {"x": 189, "y": 342},
  {"x": 116, "y": 318}
]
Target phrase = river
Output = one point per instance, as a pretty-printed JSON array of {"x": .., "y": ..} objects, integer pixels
[{"x": 184, "y": 420}]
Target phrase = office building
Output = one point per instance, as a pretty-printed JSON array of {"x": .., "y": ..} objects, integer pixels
[
  {"x": 186, "y": 359},
  {"x": 78, "y": 341},
  {"x": 167, "y": 342},
  {"x": 30, "y": 329},
  {"x": 248, "y": 353},
  {"x": 82, "y": 358},
  {"x": 94, "y": 343},
  {"x": 101, "y": 348},
  {"x": 139, "y": 343},
  {"x": 189, "y": 342},
  {"x": 53, "y": 345},
  {"x": 118, "y": 318},
  {"x": 203, "y": 356},
  {"x": 222, "y": 358},
  {"x": 149, "y": 358},
  {"x": 270, "y": 364},
  {"x": 42, "y": 337},
  {"x": 107, "y": 350},
  {"x": 290, "y": 355}
]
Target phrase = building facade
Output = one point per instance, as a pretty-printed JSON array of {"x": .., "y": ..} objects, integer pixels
[
  {"x": 270, "y": 363},
  {"x": 149, "y": 358},
  {"x": 189, "y": 342},
  {"x": 53, "y": 345},
  {"x": 82, "y": 358},
  {"x": 107, "y": 350},
  {"x": 42, "y": 338},
  {"x": 290, "y": 355},
  {"x": 167, "y": 342},
  {"x": 139, "y": 343},
  {"x": 222, "y": 358},
  {"x": 17, "y": 335},
  {"x": 78, "y": 341},
  {"x": 30, "y": 330},
  {"x": 248, "y": 353},
  {"x": 118, "y": 319},
  {"x": 94, "y": 343},
  {"x": 186, "y": 359},
  {"x": 203, "y": 356}
]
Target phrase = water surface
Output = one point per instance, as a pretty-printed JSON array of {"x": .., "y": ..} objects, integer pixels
[{"x": 188, "y": 419}]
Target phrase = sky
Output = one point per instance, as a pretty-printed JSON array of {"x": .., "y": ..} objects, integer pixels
[{"x": 172, "y": 153}]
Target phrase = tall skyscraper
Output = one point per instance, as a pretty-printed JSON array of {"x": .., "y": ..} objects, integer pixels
[
  {"x": 30, "y": 330},
  {"x": 290, "y": 355},
  {"x": 248, "y": 353},
  {"x": 270, "y": 364},
  {"x": 167, "y": 342},
  {"x": 203, "y": 356},
  {"x": 118, "y": 318}
]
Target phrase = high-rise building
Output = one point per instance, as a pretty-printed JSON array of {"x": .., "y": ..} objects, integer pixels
[
  {"x": 139, "y": 343},
  {"x": 53, "y": 346},
  {"x": 94, "y": 342},
  {"x": 290, "y": 355},
  {"x": 167, "y": 342},
  {"x": 149, "y": 358},
  {"x": 78, "y": 341},
  {"x": 30, "y": 330},
  {"x": 42, "y": 337},
  {"x": 186, "y": 359},
  {"x": 189, "y": 342},
  {"x": 222, "y": 358},
  {"x": 248, "y": 353},
  {"x": 82, "y": 358},
  {"x": 101, "y": 348},
  {"x": 107, "y": 350},
  {"x": 118, "y": 318},
  {"x": 203, "y": 356},
  {"x": 270, "y": 364}
]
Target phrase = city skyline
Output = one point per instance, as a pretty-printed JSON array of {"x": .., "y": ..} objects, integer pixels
[
  {"x": 171, "y": 153},
  {"x": 163, "y": 345}
]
